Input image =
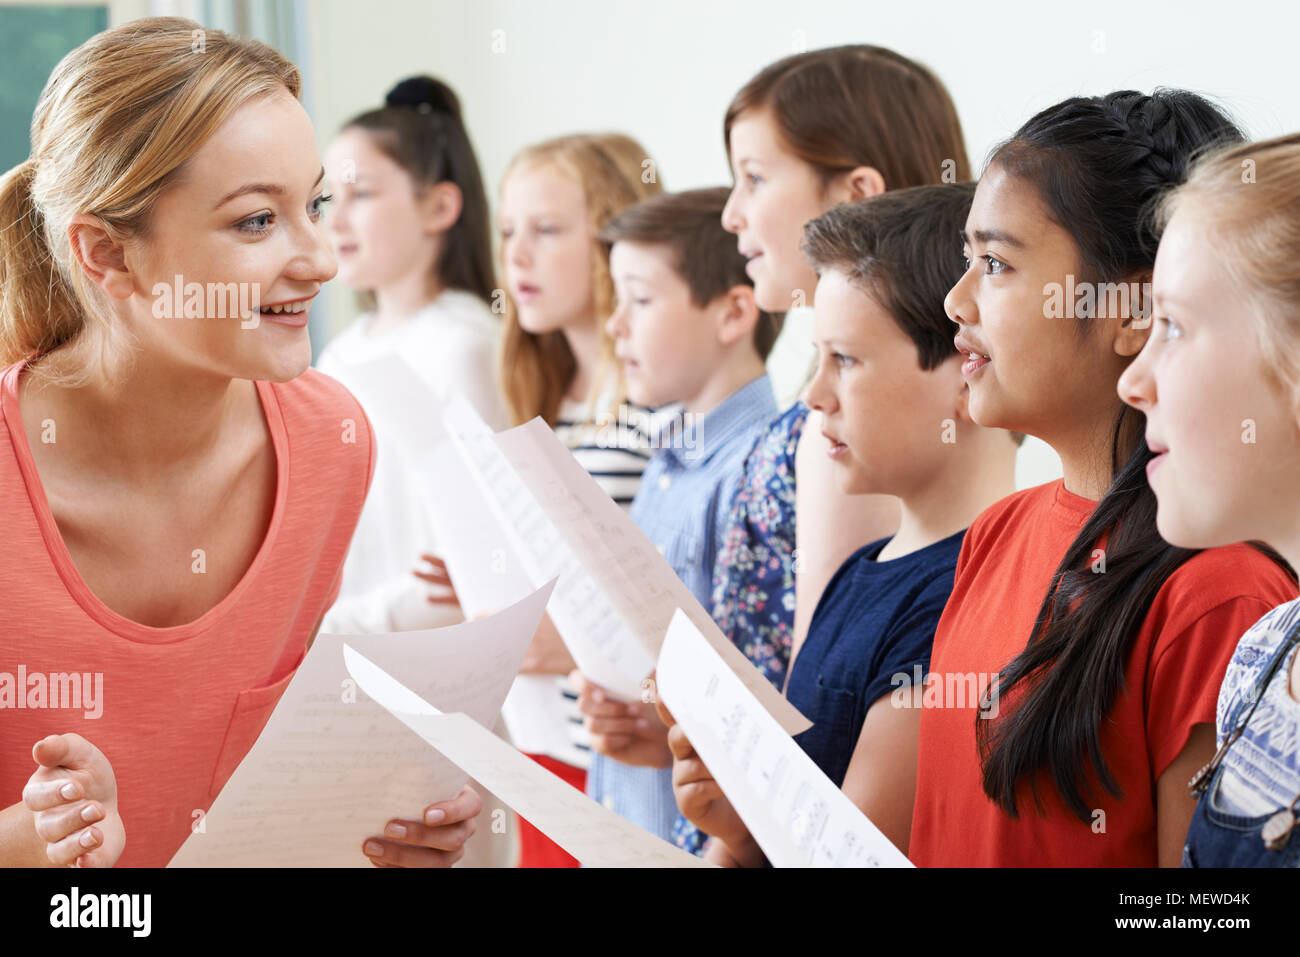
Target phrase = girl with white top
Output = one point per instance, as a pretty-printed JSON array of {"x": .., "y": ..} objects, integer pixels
[{"x": 411, "y": 232}]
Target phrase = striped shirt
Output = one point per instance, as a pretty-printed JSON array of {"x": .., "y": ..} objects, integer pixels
[
  {"x": 685, "y": 497},
  {"x": 614, "y": 448}
]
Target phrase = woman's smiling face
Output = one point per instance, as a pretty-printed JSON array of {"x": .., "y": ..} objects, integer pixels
[
  {"x": 1033, "y": 372},
  {"x": 243, "y": 216}
]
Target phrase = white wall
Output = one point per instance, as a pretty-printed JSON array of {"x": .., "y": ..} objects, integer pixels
[{"x": 664, "y": 72}]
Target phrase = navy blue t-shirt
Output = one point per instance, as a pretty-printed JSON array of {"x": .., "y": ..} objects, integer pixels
[{"x": 875, "y": 620}]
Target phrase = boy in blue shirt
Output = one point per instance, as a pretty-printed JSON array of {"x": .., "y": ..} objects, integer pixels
[{"x": 686, "y": 330}]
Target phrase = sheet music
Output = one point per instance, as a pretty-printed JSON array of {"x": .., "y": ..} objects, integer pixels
[
  {"x": 331, "y": 768},
  {"x": 795, "y": 813},
  {"x": 588, "y": 831},
  {"x": 601, "y": 644},
  {"x": 620, "y": 561}
]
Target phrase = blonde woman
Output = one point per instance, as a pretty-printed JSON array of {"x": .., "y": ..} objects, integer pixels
[{"x": 177, "y": 490}]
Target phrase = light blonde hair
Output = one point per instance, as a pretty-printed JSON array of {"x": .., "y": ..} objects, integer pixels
[
  {"x": 612, "y": 170},
  {"x": 117, "y": 121},
  {"x": 1250, "y": 193}
]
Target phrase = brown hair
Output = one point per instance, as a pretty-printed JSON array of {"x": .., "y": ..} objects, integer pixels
[
  {"x": 900, "y": 248},
  {"x": 118, "y": 119},
  {"x": 420, "y": 128},
  {"x": 614, "y": 172},
  {"x": 844, "y": 107},
  {"x": 704, "y": 254},
  {"x": 1251, "y": 193}
]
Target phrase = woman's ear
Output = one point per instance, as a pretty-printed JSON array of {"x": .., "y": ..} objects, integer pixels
[
  {"x": 100, "y": 256},
  {"x": 737, "y": 314},
  {"x": 441, "y": 205}
]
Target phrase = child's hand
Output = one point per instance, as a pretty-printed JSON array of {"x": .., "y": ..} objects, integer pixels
[
  {"x": 446, "y": 595},
  {"x": 437, "y": 841},
  {"x": 73, "y": 800},
  {"x": 698, "y": 796},
  {"x": 546, "y": 654},
  {"x": 630, "y": 732}
]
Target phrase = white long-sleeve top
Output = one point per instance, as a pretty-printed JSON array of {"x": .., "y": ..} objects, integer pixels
[{"x": 452, "y": 345}]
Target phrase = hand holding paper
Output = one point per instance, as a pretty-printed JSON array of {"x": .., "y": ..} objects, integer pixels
[
  {"x": 330, "y": 767},
  {"x": 628, "y": 731},
  {"x": 594, "y": 835},
  {"x": 791, "y": 809}
]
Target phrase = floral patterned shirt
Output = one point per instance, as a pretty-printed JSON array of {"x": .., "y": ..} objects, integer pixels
[{"x": 753, "y": 575}]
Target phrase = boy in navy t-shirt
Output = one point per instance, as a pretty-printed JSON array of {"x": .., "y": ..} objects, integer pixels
[{"x": 890, "y": 385}]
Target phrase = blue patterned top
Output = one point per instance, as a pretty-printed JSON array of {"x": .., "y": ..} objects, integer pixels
[
  {"x": 753, "y": 577},
  {"x": 1262, "y": 769}
]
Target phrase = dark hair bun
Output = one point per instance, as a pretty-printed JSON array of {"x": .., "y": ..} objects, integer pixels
[{"x": 425, "y": 94}]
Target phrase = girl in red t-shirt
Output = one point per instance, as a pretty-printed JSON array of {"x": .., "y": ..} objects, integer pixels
[{"x": 1109, "y": 664}]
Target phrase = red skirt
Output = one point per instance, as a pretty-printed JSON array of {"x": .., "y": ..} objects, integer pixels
[{"x": 535, "y": 848}]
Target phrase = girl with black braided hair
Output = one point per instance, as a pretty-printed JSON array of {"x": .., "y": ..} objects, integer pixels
[{"x": 1102, "y": 646}]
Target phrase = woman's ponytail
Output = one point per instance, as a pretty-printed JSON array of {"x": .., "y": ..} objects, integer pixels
[{"x": 38, "y": 309}]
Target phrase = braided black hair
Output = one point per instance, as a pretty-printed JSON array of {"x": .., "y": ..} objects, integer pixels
[{"x": 1100, "y": 164}]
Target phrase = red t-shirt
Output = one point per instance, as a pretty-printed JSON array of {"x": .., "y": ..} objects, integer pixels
[
  {"x": 1172, "y": 675},
  {"x": 181, "y": 706}
]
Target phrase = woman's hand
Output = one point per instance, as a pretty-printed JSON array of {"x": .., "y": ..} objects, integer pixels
[
  {"x": 439, "y": 576},
  {"x": 437, "y": 841},
  {"x": 73, "y": 800},
  {"x": 627, "y": 731},
  {"x": 546, "y": 654}
]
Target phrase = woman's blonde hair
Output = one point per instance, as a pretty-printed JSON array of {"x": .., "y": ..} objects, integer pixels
[
  {"x": 1251, "y": 194},
  {"x": 614, "y": 172},
  {"x": 118, "y": 119}
]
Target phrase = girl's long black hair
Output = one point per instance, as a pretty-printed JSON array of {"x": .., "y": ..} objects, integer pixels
[{"x": 1100, "y": 164}]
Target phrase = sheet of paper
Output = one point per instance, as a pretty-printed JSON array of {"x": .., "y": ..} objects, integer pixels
[
  {"x": 488, "y": 575},
  {"x": 402, "y": 405},
  {"x": 600, "y": 642},
  {"x": 620, "y": 560},
  {"x": 795, "y": 813},
  {"x": 590, "y": 832},
  {"x": 331, "y": 768},
  {"x": 483, "y": 565}
]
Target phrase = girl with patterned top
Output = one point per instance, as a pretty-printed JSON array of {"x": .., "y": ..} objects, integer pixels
[
  {"x": 1218, "y": 382},
  {"x": 876, "y": 121}
]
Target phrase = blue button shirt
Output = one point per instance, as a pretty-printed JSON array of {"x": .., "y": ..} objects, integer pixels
[{"x": 682, "y": 504}]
